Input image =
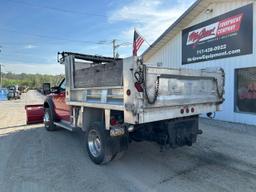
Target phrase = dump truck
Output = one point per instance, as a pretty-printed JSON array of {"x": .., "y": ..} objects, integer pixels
[{"x": 117, "y": 101}]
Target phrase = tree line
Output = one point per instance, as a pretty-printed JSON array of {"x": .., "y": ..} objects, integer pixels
[{"x": 29, "y": 80}]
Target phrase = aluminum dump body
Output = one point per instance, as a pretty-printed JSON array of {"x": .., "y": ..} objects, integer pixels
[{"x": 145, "y": 94}]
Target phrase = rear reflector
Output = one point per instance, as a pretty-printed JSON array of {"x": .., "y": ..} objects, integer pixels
[
  {"x": 128, "y": 92},
  {"x": 113, "y": 122}
]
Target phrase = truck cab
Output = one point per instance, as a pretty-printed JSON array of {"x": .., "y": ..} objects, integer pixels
[
  {"x": 58, "y": 96},
  {"x": 56, "y": 108}
]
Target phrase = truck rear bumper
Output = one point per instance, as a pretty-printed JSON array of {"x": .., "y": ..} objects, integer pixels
[
  {"x": 164, "y": 113},
  {"x": 171, "y": 133},
  {"x": 34, "y": 113}
]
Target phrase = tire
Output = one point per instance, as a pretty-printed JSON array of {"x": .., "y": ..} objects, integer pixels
[
  {"x": 49, "y": 120},
  {"x": 119, "y": 156},
  {"x": 99, "y": 144}
]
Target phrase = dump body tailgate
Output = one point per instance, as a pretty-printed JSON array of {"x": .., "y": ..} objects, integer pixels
[
  {"x": 183, "y": 86},
  {"x": 171, "y": 93}
]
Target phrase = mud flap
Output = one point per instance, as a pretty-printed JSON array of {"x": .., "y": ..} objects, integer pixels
[
  {"x": 34, "y": 113},
  {"x": 183, "y": 131}
]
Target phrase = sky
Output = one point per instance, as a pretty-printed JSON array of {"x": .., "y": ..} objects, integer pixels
[{"x": 33, "y": 31}]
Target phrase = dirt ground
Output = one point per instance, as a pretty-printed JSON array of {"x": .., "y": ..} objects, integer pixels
[{"x": 32, "y": 159}]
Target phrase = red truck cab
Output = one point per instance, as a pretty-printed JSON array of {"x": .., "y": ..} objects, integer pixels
[
  {"x": 56, "y": 111},
  {"x": 58, "y": 95}
]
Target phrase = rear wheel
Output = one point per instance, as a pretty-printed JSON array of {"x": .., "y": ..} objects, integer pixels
[
  {"x": 49, "y": 120},
  {"x": 98, "y": 144},
  {"x": 101, "y": 147}
]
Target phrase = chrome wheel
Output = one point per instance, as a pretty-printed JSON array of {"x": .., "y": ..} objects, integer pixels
[
  {"x": 94, "y": 143},
  {"x": 46, "y": 118}
]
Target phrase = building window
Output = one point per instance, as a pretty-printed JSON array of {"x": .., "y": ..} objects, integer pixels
[{"x": 245, "y": 90}]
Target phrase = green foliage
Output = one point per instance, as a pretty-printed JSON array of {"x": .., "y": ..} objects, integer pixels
[{"x": 30, "y": 80}]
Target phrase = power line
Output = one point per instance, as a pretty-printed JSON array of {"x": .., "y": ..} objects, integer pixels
[
  {"x": 100, "y": 42},
  {"x": 38, "y": 43},
  {"x": 22, "y": 55},
  {"x": 11, "y": 54},
  {"x": 29, "y": 43},
  {"x": 57, "y": 9}
]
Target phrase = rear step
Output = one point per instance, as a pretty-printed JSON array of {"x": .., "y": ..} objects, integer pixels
[{"x": 65, "y": 125}]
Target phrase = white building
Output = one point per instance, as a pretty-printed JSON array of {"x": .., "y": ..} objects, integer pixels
[{"x": 215, "y": 33}]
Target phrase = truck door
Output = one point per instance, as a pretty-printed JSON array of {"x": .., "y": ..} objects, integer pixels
[{"x": 62, "y": 110}]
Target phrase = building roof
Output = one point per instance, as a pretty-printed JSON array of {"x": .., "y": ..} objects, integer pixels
[{"x": 187, "y": 17}]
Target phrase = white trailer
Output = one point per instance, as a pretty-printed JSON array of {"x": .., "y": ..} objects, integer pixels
[{"x": 116, "y": 101}]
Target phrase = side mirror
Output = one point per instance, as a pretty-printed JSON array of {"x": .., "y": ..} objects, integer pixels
[{"x": 55, "y": 90}]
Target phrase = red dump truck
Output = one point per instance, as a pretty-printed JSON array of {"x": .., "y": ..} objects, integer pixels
[{"x": 117, "y": 101}]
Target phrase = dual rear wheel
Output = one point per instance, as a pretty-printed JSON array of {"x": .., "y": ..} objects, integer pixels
[{"x": 101, "y": 147}]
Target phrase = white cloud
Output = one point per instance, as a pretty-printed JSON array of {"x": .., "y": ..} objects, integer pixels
[
  {"x": 29, "y": 46},
  {"x": 151, "y": 18},
  {"x": 53, "y": 69}
]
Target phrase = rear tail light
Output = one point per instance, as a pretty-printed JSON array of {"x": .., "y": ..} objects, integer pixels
[
  {"x": 113, "y": 122},
  {"x": 138, "y": 87},
  {"x": 187, "y": 110}
]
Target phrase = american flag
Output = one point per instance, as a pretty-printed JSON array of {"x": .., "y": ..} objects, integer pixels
[{"x": 137, "y": 42}]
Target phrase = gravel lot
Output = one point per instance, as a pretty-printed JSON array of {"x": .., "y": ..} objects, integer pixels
[{"x": 32, "y": 159}]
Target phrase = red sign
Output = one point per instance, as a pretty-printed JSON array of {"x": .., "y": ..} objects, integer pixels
[
  {"x": 220, "y": 28},
  {"x": 230, "y": 25}
]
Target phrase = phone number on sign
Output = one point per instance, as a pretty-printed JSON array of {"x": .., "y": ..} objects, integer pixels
[{"x": 212, "y": 49}]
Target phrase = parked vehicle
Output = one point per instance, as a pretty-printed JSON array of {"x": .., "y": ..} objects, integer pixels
[
  {"x": 22, "y": 89},
  {"x": 3, "y": 94},
  {"x": 116, "y": 101},
  {"x": 13, "y": 93}
]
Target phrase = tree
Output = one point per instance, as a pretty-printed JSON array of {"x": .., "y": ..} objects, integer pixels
[{"x": 30, "y": 80}]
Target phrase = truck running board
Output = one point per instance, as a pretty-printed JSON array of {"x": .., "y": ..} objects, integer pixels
[{"x": 65, "y": 125}]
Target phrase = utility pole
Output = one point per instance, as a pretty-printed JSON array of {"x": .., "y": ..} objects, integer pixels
[
  {"x": 0, "y": 75},
  {"x": 114, "y": 48},
  {"x": 0, "y": 71}
]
